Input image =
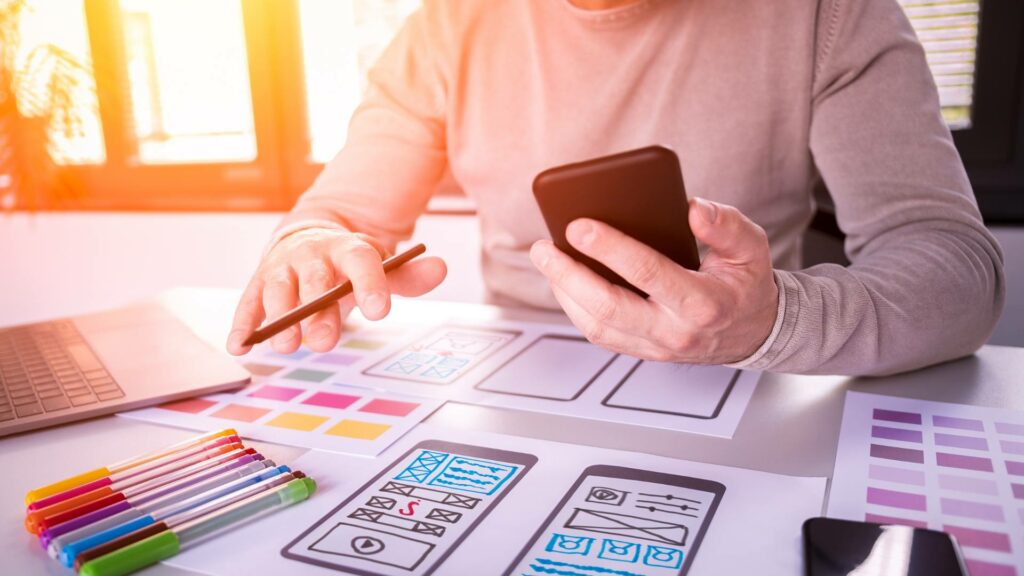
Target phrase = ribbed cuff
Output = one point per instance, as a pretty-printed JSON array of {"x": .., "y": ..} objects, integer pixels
[
  {"x": 754, "y": 360},
  {"x": 289, "y": 229}
]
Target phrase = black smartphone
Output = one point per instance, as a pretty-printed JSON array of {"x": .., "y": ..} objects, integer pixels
[
  {"x": 841, "y": 547},
  {"x": 639, "y": 193},
  {"x": 617, "y": 520}
]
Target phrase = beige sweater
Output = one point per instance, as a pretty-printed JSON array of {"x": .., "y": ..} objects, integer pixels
[{"x": 760, "y": 99}]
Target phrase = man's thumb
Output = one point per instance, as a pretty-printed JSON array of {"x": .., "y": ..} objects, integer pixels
[{"x": 729, "y": 234}]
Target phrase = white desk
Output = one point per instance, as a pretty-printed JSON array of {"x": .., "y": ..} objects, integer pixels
[{"x": 790, "y": 427}]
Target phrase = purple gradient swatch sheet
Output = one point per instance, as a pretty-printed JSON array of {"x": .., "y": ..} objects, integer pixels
[{"x": 935, "y": 465}]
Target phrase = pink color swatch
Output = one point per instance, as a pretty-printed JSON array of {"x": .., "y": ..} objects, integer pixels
[
  {"x": 971, "y": 538},
  {"x": 331, "y": 400},
  {"x": 281, "y": 393},
  {"x": 389, "y": 407},
  {"x": 880, "y": 519},
  {"x": 969, "y": 509},
  {"x": 896, "y": 499}
]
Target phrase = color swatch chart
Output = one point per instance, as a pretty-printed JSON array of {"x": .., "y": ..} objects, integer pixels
[
  {"x": 943, "y": 466},
  {"x": 294, "y": 400}
]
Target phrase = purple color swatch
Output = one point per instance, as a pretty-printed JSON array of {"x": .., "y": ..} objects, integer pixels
[
  {"x": 968, "y": 509},
  {"x": 1015, "y": 468},
  {"x": 1011, "y": 447},
  {"x": 281, "y": 393},
  {"x": 897, "y": 416},
  {"x": 880, "y": 519},
  {"x": 337, "y": 359},
  {"x": 980, "y": 568},
  {"x": 898, "y": 475},
  {"x": 1010, "y": 428},
  {"x": 958, "y": 423},
  {"x": 896, "y": 499},
  {"x": 971, "y": 538},
  {"x": 894, "y": 453},
  {"x": 901, "y": 434},
  {"x": 964, "y": 462},
  {"x": 967, "y": 484},
  {"x": 958, "y": 441},
  {"x": 1018, "y": 492}
]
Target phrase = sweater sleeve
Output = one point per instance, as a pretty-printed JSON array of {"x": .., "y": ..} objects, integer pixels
[
  {"x": 394, "y": 156},
  {"x": 925, "y": 283}
]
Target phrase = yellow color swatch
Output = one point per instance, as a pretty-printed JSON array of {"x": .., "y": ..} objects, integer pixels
[
  {"x": 295, "y": 421},
  {"x": 358, "y": 429}
]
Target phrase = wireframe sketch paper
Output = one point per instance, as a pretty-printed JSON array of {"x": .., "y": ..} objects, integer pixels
[
  {"x": 300, "y": 404},
  {"x": 438, "y": 502},
  {"x": 943, "y": 466},
  {"x": 472, "y": 354}
]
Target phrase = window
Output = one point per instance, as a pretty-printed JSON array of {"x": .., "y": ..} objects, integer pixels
[
  {"x": 340, "y": 41},
  {"x": 948, "y": 30},
  {"x": 54, "y": 35}
]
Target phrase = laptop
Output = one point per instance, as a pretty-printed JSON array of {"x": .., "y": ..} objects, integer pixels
[{"x": 70, "y": 369}]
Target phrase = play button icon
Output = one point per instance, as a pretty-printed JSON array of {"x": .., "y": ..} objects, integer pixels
[{"x": 367, "y": 545}]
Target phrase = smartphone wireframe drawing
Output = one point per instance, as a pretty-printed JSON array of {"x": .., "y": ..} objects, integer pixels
[
  {"x": 414, "y": 513},
  {"x": 640, "y": 193},
  {"x": 623, "y": 519}
]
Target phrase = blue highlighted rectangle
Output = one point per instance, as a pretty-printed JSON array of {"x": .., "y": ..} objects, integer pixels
[
  {"x": 568, "y": 544},
  {"x": 473, "y": 475},
  {"x": 422, "y": 467}
]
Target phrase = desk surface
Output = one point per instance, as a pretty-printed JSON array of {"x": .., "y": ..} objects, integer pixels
[{"x": 790, "y": 427}]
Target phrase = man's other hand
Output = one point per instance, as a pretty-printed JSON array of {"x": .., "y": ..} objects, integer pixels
[
  {"x": 304, "y": 265},
  {"x": 720, "y": 314}
]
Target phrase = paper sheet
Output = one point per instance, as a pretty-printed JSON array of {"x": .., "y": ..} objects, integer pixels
[
  {"x": 298, "y": 404},
  {"x": 468, "y": 353},
  {"x": 942, "y": 466},
  {"x": 534, "y": 504}
]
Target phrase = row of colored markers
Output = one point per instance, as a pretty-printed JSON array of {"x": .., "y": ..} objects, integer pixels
[{"x": 126, "y": 516}]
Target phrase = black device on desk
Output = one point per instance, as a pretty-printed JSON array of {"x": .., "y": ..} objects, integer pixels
[
  {"x": 842, "y": 547},
  {"x": 639, "y": 193}
]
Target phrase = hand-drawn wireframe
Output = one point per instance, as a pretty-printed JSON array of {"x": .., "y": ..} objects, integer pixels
[
  {"x": 574, "y": 545},
  {"x": 663, "y": 388},
  {"x": 443, "y": 355},
  {"x": 539, "y": 369},
  {"x": 619, "y": 550},
  {"x": 605, "y": 525},
  {"x": 403, "y": 522},
  {"x": 609, "y": 496}
]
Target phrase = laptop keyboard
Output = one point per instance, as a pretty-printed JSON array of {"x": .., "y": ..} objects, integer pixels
[{"x": 48, "y": 367}]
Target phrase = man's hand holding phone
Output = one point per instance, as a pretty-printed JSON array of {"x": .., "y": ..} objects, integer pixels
[
  {"x": 719, "y": 314},
  {"x": 307, "y": 263}
]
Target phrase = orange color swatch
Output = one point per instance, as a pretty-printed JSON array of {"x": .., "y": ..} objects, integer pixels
[
  {"x": 296, "y": 421},
  {"x": 240, "y": 413}
]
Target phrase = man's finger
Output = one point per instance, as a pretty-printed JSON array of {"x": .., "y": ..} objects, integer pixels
[
  {"x": 417, "y": 277},
  {"x": 321, "y": 330},
  {"x": 248, "y": 316},
  {"x": 729, "y": 234},
  {"x": 362, "y": 264},
  {"x": 638, "y": 263},
  {"x": 608, "y": 303},
  {"x": 280, "y": 294},
  {"x": 603, "y": 335}
]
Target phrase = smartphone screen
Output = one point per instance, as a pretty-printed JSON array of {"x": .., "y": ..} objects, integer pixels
[
  {"x": 843, "y": 547},
  {"x": 413, "y": 514},
  {"x": 617, "y": 520}
]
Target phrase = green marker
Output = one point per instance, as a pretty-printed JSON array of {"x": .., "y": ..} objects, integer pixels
[{"x": 166, "y": 544}]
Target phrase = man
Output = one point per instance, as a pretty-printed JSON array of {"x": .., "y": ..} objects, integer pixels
[{"x": 762, "y": 101}]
